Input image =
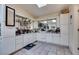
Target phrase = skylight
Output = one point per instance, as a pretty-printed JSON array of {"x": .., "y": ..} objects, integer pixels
[{"x": 41, "y": 5}]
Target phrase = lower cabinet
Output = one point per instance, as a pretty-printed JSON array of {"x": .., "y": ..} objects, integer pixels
[
  {"x": 49, "y": 38},
  {"x": 11, "y": 44},
  {"x": 56, "y": 39},
  {"x": 53, "y": 38},
  {"x": 26, "y": 39},
  {"x": 7, "y": 45},
  {"x": 29, "y": 38},
  {"x": 41, "y": 37},
  {"x": 19, "y": 42},
  {"x": 64, "y": 39}
]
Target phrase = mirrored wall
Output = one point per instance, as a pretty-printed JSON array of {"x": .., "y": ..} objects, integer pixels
[
  {"x": 49, "y": 25},
  {"x": 22, "y": 24}
]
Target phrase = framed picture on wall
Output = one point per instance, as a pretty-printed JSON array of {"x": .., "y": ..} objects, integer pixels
[{"x": 10, "y": 16}]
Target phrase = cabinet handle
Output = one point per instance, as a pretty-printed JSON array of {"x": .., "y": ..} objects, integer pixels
[
  {"x": 78, "y": 29},
  {"x": 77, "y": 48}
]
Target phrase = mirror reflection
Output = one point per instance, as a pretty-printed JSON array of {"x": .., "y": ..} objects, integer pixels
[
  {"x": 49, "y": 25},
  {"x": 26, "y": 25},
  {"x": 22, "y": 25}
]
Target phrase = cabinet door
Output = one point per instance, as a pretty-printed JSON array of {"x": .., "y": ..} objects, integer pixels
[
  {"x": 41, "y": 37},
  {"x": 19, "y": 39},
  {"x": 56, "y": 39},
  {"x": 38, "y": 37},
  {"x": 19, "y": 42},
  {"x": 29, "y": 38},
  {"x": 32, "y": 37},
  {"x": 49, "y": 38},
  {"x": 8, "y": 45},
  {"x": 26, "y": 40},
  {"x": 64, "y": 39}
]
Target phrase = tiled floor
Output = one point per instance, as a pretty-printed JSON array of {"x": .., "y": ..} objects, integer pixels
[{"x": 43, "y": 48}]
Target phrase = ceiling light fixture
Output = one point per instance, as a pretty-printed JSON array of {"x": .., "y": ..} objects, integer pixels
[
  {"x": 45, "y": 22},
  {"x": 54, "y": 21},
  {"x": 41, "y": 5}
]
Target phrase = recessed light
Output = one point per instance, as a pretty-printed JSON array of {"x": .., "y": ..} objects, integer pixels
[
  {"x": 45, "y": 22},
  {"x": 41, "y": 5},
  {"x": 54, "y": 21}
]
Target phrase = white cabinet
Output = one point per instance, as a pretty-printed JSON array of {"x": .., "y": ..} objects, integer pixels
[
  {"x": 41, "y": 36},
  {"x": 64, "y": 29},
  {"x": 7, "y": 45},
  {"x": 49, "y": 37},
  {"x": 45, "y": 37},
  {"x": 29, "y": 38},
  {"x": 33, "y": 37},
  {"x": 53, "y": 38},
  {"x": 19, "y": 42},
  {"x": 56, "y": 38},
  {"x": 19, "y": 39},
  {"x": 26, "y": 40}
]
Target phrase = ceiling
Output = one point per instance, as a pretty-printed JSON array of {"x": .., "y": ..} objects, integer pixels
[{"x": 35, "y": 11}]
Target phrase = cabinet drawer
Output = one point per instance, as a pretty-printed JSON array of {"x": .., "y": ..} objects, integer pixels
[
  {"x": 19, "y": 39},
  {"x": 26, "y": 43}
]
